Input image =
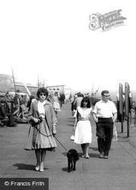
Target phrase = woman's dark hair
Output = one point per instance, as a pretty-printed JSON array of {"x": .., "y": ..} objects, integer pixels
[
  {"x": 42, "y": 90},
  {"x": 86, "y": 99}
]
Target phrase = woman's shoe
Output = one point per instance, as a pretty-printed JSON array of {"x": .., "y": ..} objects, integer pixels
[
  {"x": 41, "y": 169},
  {"x": 37, "y": 168}
]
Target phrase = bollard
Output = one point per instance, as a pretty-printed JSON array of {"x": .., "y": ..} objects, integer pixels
[
  {"x": 121, "y": 105},
  {"x": 127, "y": 105}
]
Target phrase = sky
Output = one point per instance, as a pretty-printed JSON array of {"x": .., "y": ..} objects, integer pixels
[{"x": 51, "y": 41}]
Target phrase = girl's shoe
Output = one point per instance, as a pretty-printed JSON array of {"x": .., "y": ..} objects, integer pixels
[
  {"x": 87, "y": 157},
  {"x": 82, "y": 156}
]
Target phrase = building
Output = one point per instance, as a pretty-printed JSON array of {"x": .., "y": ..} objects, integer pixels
[
  {"x": 61, "y": 89},
  {"x": 55, "y": 88},
  {"x": 6, "y": 83}
]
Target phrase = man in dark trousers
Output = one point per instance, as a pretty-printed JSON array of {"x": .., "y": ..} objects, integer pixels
[{"x": 104, "y": 114}]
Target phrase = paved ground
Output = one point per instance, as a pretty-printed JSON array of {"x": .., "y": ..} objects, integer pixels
[{"x": 116, "y": 173}]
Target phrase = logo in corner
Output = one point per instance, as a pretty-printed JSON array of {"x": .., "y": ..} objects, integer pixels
[{"x": 106, "y": 21}]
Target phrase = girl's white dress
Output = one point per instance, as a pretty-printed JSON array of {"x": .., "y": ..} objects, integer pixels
[{"x": 83, "y": 131}]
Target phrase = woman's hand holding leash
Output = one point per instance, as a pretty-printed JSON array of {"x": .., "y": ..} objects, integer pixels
[
  {"x": 36, "y": 120},
  {"x": 54, "y": 130}
]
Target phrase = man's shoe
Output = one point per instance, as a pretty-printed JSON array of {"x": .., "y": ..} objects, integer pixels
[
  {"x": 105, "y": 157},
  {"x": 101, "y": 155}
]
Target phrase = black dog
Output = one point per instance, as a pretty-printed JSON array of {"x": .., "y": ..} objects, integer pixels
[{"x": 72, "y": 156}]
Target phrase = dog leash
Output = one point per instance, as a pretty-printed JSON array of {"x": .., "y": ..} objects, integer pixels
[
  {"x": 49, "y": 136},
  {"x": 60, "y": 143}
]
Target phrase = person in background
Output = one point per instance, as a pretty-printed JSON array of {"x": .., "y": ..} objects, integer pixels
[
  {"x": 16, "y": 104},
  {"x": 56, "y": 104},
  {"x": 79, "y": 99},
  {"x": 73, "y": 105},
  {"x": 42, "y": 129},
  {"x": 115, "y": 133},
  {"x": 104, "y": 114},
  {"x": 133, "y": 114},
  {"x": 30, "y": 101},
  {"x": 62, "y": 99}
]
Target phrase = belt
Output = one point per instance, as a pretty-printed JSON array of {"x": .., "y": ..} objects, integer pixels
[
  {"x": 83, "y": 119},
  {"x": 104, "y": 117},
  {"x": 105, "y": 120}
]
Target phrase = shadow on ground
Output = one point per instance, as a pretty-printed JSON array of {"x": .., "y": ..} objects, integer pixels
[{"x": 22, "y": 166}]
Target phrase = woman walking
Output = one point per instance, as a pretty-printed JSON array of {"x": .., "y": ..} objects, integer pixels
[
  {"x": 83, "y": 131},
  {"x": 56, "y": 104},
  {"x": 43, "y": 128}
]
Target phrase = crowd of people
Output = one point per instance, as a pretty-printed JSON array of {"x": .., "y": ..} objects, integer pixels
[{"x": 14, "y": 107}]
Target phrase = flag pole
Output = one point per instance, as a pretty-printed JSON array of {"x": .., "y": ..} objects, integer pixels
[
  {"x": 38, "y": 82},
  {"x": 13, "y": 79}
]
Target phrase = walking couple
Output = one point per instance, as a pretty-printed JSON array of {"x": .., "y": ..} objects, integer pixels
[{"x": 104, "y": 114}]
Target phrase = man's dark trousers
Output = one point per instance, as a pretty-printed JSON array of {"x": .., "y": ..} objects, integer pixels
[{"x": 104, "y": 133}]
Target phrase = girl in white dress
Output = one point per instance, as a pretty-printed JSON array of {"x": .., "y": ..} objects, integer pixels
[{"x": 83, "y": 131}]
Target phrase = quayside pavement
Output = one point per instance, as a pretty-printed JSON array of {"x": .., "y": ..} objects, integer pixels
[{"x": 116, "y": 173}]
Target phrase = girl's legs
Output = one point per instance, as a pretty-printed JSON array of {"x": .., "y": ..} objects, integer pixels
[
  {"x": 86, "y": 150},
  {"x": 83, "y": 149}
]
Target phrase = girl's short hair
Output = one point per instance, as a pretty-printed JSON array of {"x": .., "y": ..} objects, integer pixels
[
  {"x": 42, "y": 90},
  {"x": 86, "y": 99}
]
